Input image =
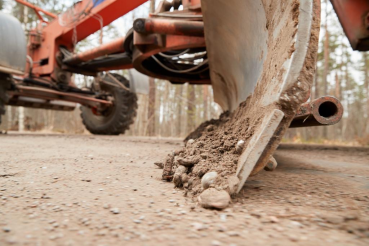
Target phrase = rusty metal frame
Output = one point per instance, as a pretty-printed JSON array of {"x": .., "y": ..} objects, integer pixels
[
  {"x": 47, "y": 94},
  {"x": 323, "y": 111},
  {"x": 354, "y": 17},
  {"x": 105, "y": 49}
]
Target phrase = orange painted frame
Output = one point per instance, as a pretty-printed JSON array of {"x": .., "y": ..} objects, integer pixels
[{"x": 54, "y": 35}]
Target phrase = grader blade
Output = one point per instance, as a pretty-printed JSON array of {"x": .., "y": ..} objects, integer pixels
[{"x": 264, "y": 52}]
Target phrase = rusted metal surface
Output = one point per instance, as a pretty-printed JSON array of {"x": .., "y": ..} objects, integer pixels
[
  {"x": 320, "y": 112},
  {"x": 167, "y": 26},
  {"x": 30, "y": 102},
  {"x": 191, "y": 3},
  {"x": 56, "y": 35},
  {"x": 105, "y": 49},
  {"x": 12, "y": 45},
  {"x": 47, "y": 94},
  {"x": 354, "y": 17}
]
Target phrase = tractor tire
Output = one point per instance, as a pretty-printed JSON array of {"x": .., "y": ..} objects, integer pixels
[
  {"x": 4, "y": 86},
  {"x": 118, "y": 118}
]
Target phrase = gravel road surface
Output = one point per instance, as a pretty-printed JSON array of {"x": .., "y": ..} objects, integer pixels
[{"x": 89, "y": 190}]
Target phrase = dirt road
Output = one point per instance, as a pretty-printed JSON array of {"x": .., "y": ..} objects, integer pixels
[{"x": 88, "y": 190}]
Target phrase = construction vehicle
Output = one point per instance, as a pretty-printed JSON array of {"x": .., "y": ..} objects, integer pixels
[{"x": 260, "y": 50}]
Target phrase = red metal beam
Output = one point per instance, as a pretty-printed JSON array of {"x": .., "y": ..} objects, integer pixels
[{"x": 105, "y": 49}]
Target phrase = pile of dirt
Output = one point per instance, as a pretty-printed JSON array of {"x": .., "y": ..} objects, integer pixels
[{"x": 215, "y": 146}]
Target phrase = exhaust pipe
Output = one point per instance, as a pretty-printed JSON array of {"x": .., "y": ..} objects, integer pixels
[{"x": 323, "y": 111}]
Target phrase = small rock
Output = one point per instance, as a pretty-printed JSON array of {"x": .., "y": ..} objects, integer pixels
[
  {"x": 6, "y": 229},
  {"x": 184, "y": 178},
  {"x": 159, "y": 165},
  {"x": 188, "y": 162},
  {"x": 271, "y": 165},
  {"x": 177, "y": 152},
  {"x": 102, "y": 233},
  {"x": 350, "y": 217},
  {"x": 199, "y": 226},
  {"x": 210, "y": 128},
  {"x": 177, "y": 178},
  {"x": 239, "y": 146},
  {"x": 115, "y": 210},
  {"x": 296, "y": 224},
  {"x": 212, "y": 198},
  {"x": 293, "y": 238},
  {"x": 208, "y": 179},
  {"x": 11, "y": 240},
  {"x": 223, "y": 217},
  {"x": 222, "y": 228},
  {"x": 334, "y": 220},
  {"x": 190, "y": 142},
  {"x": 215, "y": 243},
  {"x": 233, "y": 183},
  {"x": 273, "y": 219},
  {"x": 233, "y": 234},
  {"x": 204, "y": 156},
  {"x": 181, "y": 169}
]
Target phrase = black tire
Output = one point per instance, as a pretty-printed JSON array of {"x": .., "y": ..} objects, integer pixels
[
  {"x": 4, "y": 86},
  {"x": 117, "y": 119}
]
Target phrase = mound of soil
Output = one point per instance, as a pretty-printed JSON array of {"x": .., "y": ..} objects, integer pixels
[{"x": 212, "y": 147}]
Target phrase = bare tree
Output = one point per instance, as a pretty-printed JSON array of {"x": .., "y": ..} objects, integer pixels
[
  {"x": 191, "y": 108},
  {"x": 366, "y": 79},
  {"x": 151, "y": 109},
  {"x": 152, "y": 6}
]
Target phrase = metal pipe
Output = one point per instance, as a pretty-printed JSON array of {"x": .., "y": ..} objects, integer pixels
[
  {"x": 114, "y": 46},
  {"x": 47, "y": 94},
  {"x": 35, "y": 8},
  {"x": 323, "y": 111},
  {"x": 31, "y": 102},
  {"x": 171, "y": 27}
]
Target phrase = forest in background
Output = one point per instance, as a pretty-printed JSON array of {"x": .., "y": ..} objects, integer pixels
[{"x": 174, "y": 110}]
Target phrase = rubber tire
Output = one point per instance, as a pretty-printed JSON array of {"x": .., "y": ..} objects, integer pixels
[
  {"x": 120, "y": 117},
  {"x": 4, "y": 86}
]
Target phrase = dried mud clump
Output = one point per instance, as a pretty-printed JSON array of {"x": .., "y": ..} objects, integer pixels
[{"x": 209, "y": 159}]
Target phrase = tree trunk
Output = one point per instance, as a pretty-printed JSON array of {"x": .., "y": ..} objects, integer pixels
[
  {"x": 326, "y": 60},
  {"x": 151, "y": 110},
  {"x": 316, "y": 87},
  {"x": 179, "y": 95},
  {"x": 206, "y": 99},
  {"x": 152, "y": 6},
  {"x": 190, "y": 108},
  {"x": 337, "y": 91},
  {"x": 366, "y": 79}
]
